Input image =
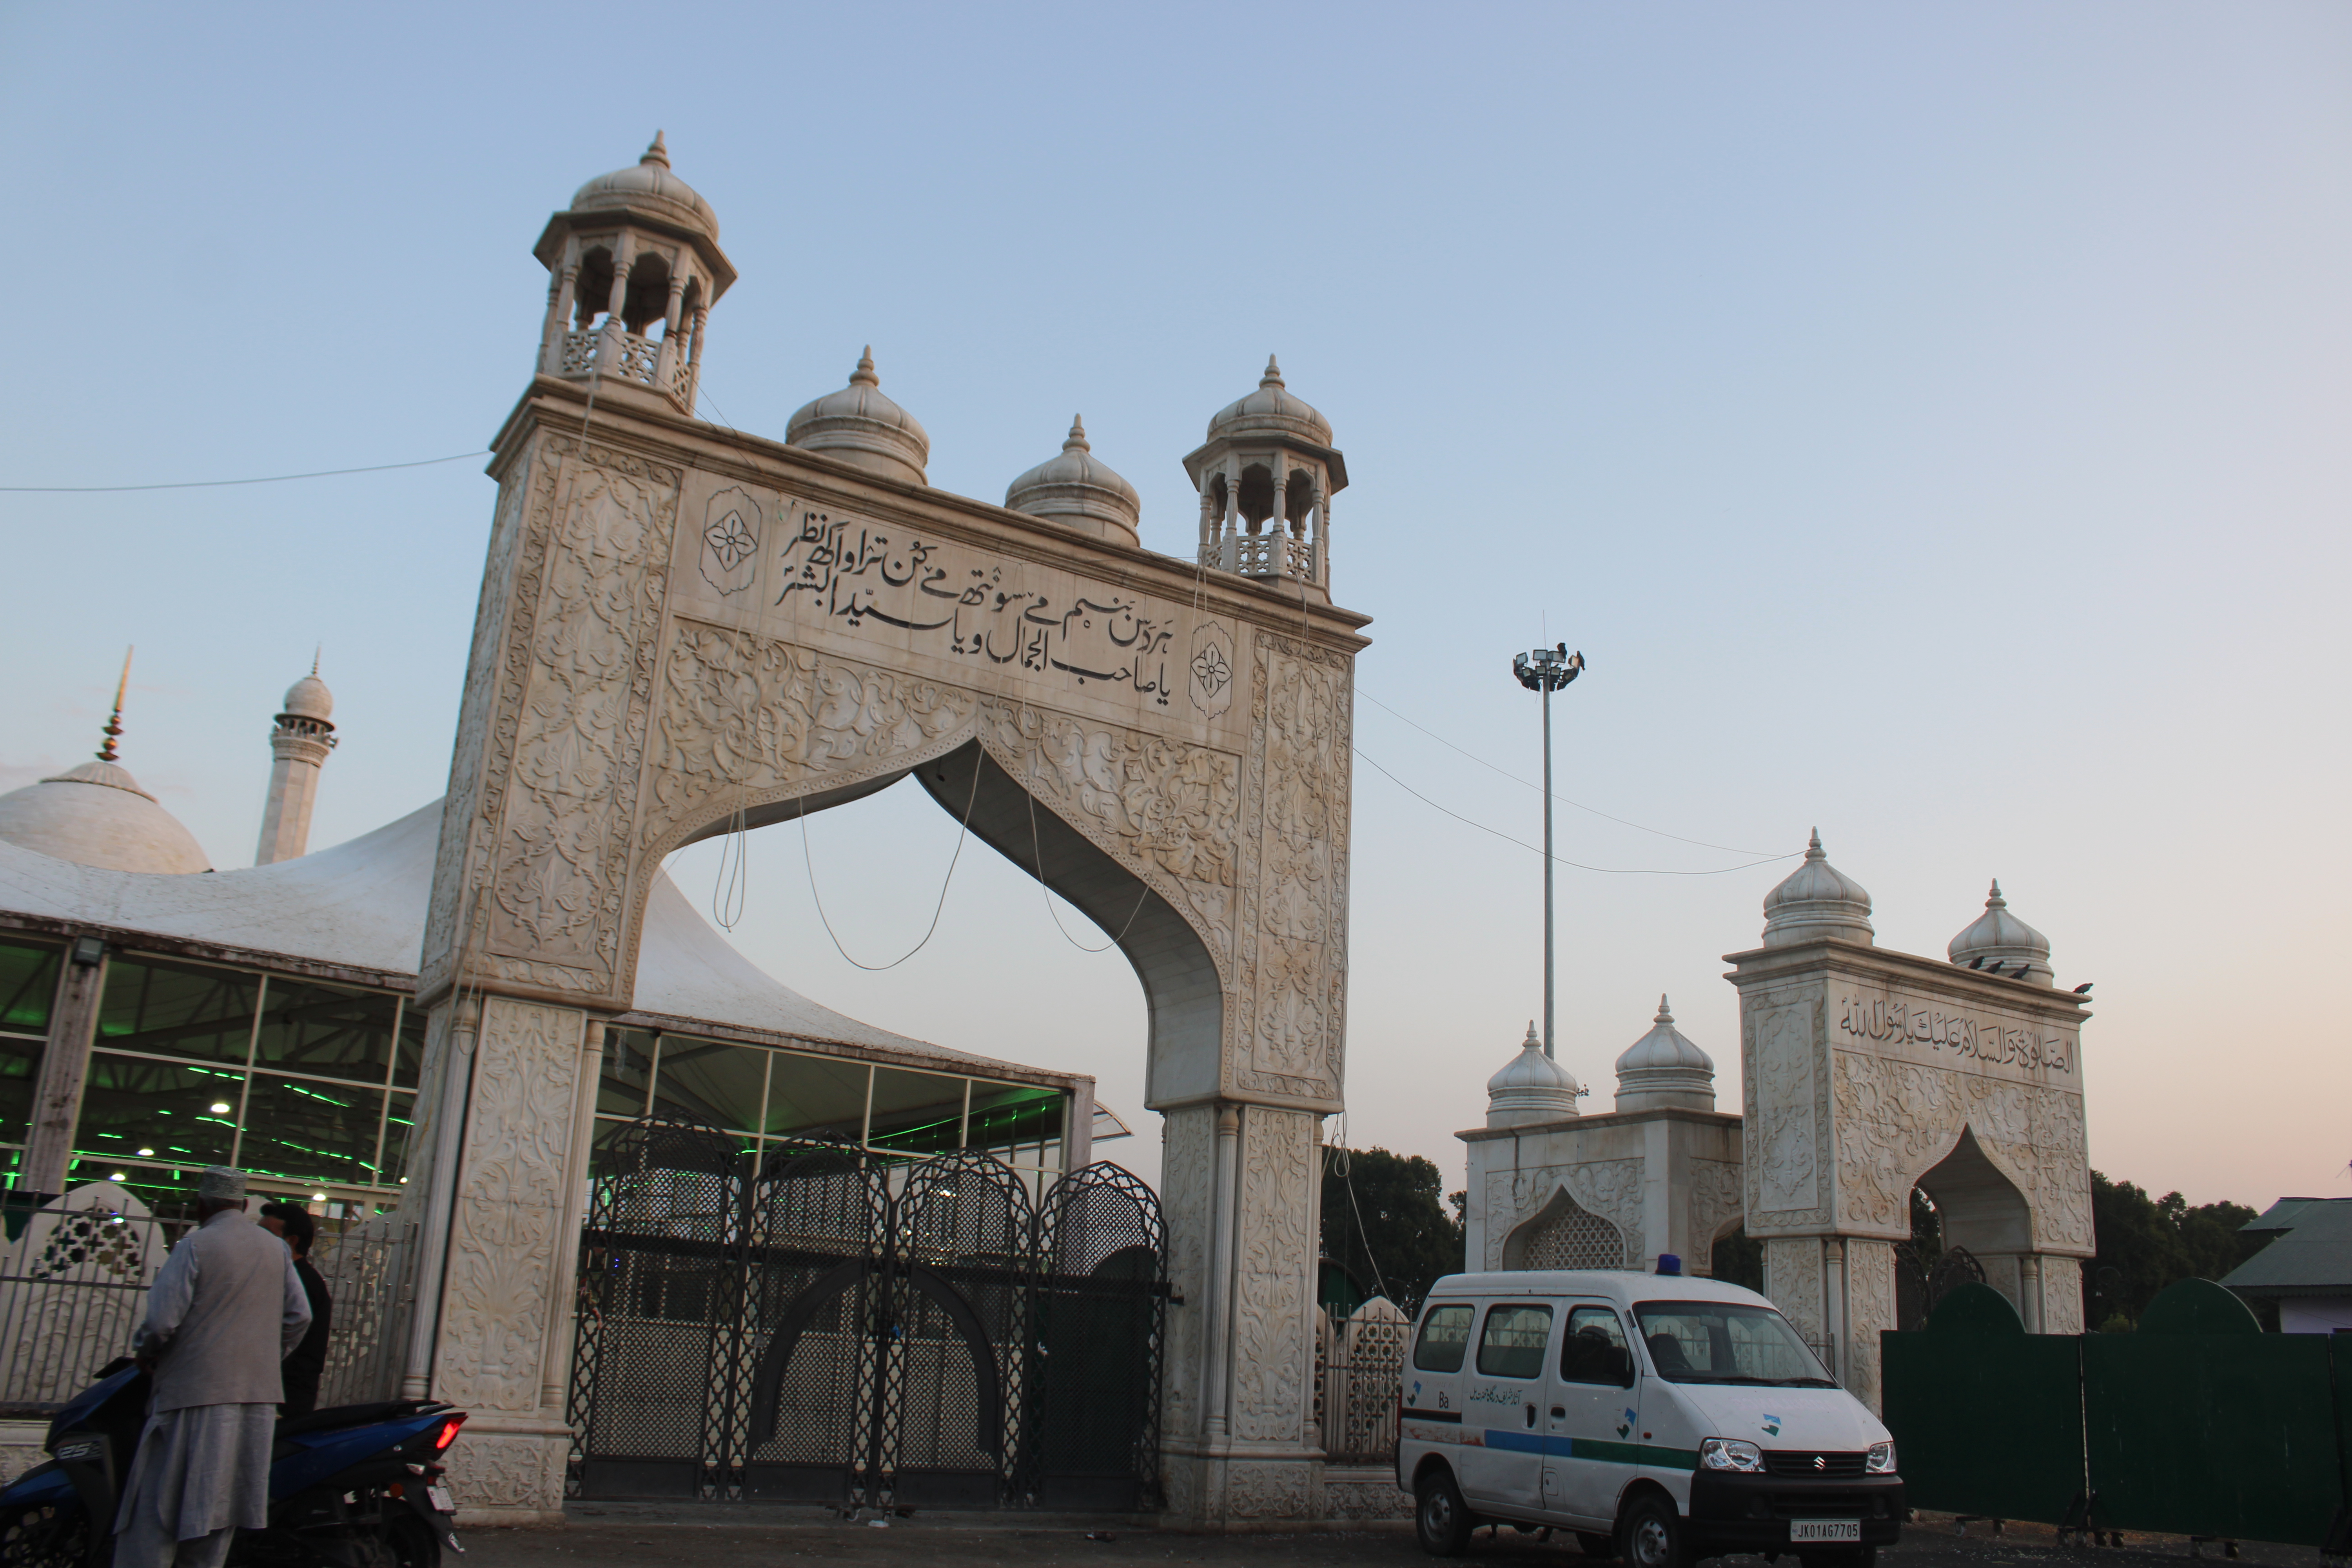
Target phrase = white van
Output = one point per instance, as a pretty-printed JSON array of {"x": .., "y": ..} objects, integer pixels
[{"x": 1661, "y": 1417}]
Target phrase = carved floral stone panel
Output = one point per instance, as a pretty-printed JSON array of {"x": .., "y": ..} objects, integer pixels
[
  {"x": 506, "y": 1471},
  {"x": 1295, "y": 898},
  {"x": 1716, "y": 1200},
  {"x": 1187, "y": 1194},
  {"x": 501, "y": 1283},
  {"x": 1783, "y": 1146},
  {"x": 1259, "y": 1490},
  {"x": 1274, "y": 1253},
  {"x": 1870, "y": 1310},
  {"x": 1793, "y": 1281}
]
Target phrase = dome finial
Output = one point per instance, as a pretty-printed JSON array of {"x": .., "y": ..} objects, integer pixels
[
  {"x": 1813, "y": 850},
  {"x": 863, "y": 375},
  {"x": 1077, "y": 437},
  {"x": 1664, "y": 1068},
  {"x": 316, "y": 653},
  {"x": 1816, "y": 900},
  {"x": 658, "y": 152},
  {"x": 1273, "y": 376},
  {"x": 1993, "y": 900},
  {"x": 114, "y": 725},
  {"x": 1665, "y": 1014}
]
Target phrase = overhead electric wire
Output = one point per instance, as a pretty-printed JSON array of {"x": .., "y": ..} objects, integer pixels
[
  {"x": 1727, "y": 848},
  {"x": 216, "y": 484},
  {"x": 1605, "y": 870}
]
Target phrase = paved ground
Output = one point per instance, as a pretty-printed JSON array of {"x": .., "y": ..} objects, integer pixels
[{"x": 618, "y": 1536}]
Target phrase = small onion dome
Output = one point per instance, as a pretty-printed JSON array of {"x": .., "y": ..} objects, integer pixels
[
  {"x": 1665, "y": 1067},
  {"x": 309, "y": 698},
  {"x": 1999, "y": 939},
  {"x": 648, "y": 186},
  {"x": 96, "y": 815},
  {"x": 1531, "y": 1087},
  {"x": 863, "y": 428},
  {"x": 1271, "y": 411},
  {"x": 1078, "y": 489},
  {"x": 1817, "y": 900}
]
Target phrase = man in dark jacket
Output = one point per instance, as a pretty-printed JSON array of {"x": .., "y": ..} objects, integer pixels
[{"x": 293, "y": 1222}]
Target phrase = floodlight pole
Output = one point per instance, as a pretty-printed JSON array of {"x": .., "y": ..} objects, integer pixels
[{"x": 1547, "y": 669}]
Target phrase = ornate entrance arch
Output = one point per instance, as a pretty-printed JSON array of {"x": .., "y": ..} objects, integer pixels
[{"x": 680, "y": 628}]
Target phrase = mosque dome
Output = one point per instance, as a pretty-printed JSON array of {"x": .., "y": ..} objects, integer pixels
[
  {"x": 96, "y": 815},
  {"x": 1665, "y": 1067},
  {"x": 863, "y": 428},
  {"x": 648, "y": 186},
  {"x": 1817, "y": 900},
  {"x": 1080, "y": 489},
  {"x": 1272, "y": 411},
  {"x": 309, "y": 698},
  {"x": 1999, "y": 939},
  {"x": 1532, "y": 1087}
]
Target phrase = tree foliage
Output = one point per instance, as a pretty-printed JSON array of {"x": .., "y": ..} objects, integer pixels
[
  {"x": 2146, "y": 1243},
  {"x": 1397, "y": 1228}
]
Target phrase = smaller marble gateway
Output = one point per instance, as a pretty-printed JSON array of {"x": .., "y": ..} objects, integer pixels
[{"x": 1551, "y": 1188}]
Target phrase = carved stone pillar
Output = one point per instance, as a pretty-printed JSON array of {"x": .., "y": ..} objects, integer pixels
[
  {"x": 507, "y": 1273},
  {"x": 1869, "y": 1312},
  {"x": 2029, "y": 1292}
]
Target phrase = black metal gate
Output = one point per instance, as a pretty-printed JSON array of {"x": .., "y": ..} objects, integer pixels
[
  {"x": 797, "y": 1330},
  {"x": 1919, "y": 1285}
]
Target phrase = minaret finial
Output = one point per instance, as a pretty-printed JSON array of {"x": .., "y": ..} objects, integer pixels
[
  {"x": 658, "y": 152},
  {"x": 1813, "y": 850},
  {"x": 1993, "y": 900},
  {"x": 315, "y": 654},
  {"x": 1077, "y": 437},
  {"x": 1663, "y": 1016},
  {"x": 863, "y": 375},
  {"x": 1273, "y": 376},
  {"x": 114, "y": 725}
]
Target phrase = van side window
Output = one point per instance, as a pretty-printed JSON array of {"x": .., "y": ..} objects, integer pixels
[
  {"x": 1445, "y": 1335},
  {"x": 1513, "y": 1344},
  {"x": 1594, "y": 1349}
]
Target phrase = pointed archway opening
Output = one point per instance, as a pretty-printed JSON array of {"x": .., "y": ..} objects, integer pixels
[
  {"x": 1564, "y": 1234},
  {"x": 1979, "y": 1215}
]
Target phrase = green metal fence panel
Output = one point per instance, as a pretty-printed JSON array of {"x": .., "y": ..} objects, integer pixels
[
  {"x": 1987, "y": 1418},
  {"x": 2200, "y": 1424}
]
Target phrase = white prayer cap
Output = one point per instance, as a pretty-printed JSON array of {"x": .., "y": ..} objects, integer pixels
[{"x": 222, "y": 1183}]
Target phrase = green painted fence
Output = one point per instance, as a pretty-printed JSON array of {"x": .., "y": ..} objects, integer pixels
[{"x": 2198, "y": 1423}]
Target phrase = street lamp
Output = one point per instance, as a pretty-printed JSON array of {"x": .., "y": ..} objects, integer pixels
[{"x": 1547, "y": 669}]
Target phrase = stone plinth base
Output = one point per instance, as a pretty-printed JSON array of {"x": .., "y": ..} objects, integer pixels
[
  {"x": 1268, "y": 1487},
  {"x": 509, "y": 1470}
]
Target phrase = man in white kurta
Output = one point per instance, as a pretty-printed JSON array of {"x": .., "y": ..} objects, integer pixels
[{"x": 225, "y": 1310}]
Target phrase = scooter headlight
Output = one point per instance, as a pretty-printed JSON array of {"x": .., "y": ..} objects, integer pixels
[
  {"x": 1729, "y": 1454},
  {"x": 1882, "y": 1459}
]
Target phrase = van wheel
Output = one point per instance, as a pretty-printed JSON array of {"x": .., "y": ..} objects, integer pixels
[
  {"x": 1650, "y": 1533},
  {"x": 1439, "y": 1518}
]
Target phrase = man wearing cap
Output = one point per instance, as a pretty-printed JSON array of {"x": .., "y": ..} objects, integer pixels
[
  {"x": 293, "y": 1223},
  {"x": 225, "y": 1310}
]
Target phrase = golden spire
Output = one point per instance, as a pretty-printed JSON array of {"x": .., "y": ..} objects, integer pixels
[{"x": 114, "y": 725}]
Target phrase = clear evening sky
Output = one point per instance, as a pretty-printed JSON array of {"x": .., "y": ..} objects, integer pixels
[{"x": 1930, "y": 421}]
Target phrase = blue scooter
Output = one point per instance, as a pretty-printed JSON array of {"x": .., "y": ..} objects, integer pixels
[{"x": 359, "y": 1486}]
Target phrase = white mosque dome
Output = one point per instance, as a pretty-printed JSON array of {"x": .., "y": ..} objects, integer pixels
[
  {"x": 96, "y": 815},
  {"x": 1532, "y": 1087},
  {"x": 1272, "y": 410},
  {"x": 1665, "y": 1067},
  {"x": 309, "y": 698},
  {"x": 1999, "y": 939},
  {"x": 863, "y": 428},
  {"x": 648, "y": 186},
  {"x": 1080, "y": 489},
  {"x": 1817, "y": 900}
]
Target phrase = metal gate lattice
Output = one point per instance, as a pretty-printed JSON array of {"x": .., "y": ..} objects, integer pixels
[{"x": 791, "y": 1330}]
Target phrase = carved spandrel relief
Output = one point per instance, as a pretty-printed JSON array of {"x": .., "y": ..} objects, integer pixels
[
  {"x": 1783, "y": 1146},
  {"x": 501, "y": 1283},
  {"x": 1896, "y": 1119},
  {"x": 949, "y": 600},
  {"x": 1292, "y": 925},
  {"x": 1274, "y": 1245},
  {"x": 578, "y": 712}
]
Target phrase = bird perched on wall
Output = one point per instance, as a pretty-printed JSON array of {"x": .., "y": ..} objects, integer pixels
[
  {"x": 2084, "y": 989},
  {"x": 1976, "y": 962}
]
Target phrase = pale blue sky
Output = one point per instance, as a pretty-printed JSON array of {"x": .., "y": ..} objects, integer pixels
[{"x": 1930, "y": 421}]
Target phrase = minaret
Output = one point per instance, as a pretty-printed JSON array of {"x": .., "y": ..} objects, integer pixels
[
  {"x": 1266, "y": 475},
  {"x": 299, "y": 745}
]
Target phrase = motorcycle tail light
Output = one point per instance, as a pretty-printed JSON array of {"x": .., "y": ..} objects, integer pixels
[{"x": 448, "y": 1433}]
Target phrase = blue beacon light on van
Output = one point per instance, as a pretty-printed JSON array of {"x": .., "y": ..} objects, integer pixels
[{"x": 1669, "y": 1263}]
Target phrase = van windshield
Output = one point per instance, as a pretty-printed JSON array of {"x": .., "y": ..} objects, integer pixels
[{"x": 1727, "y": 1341}]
